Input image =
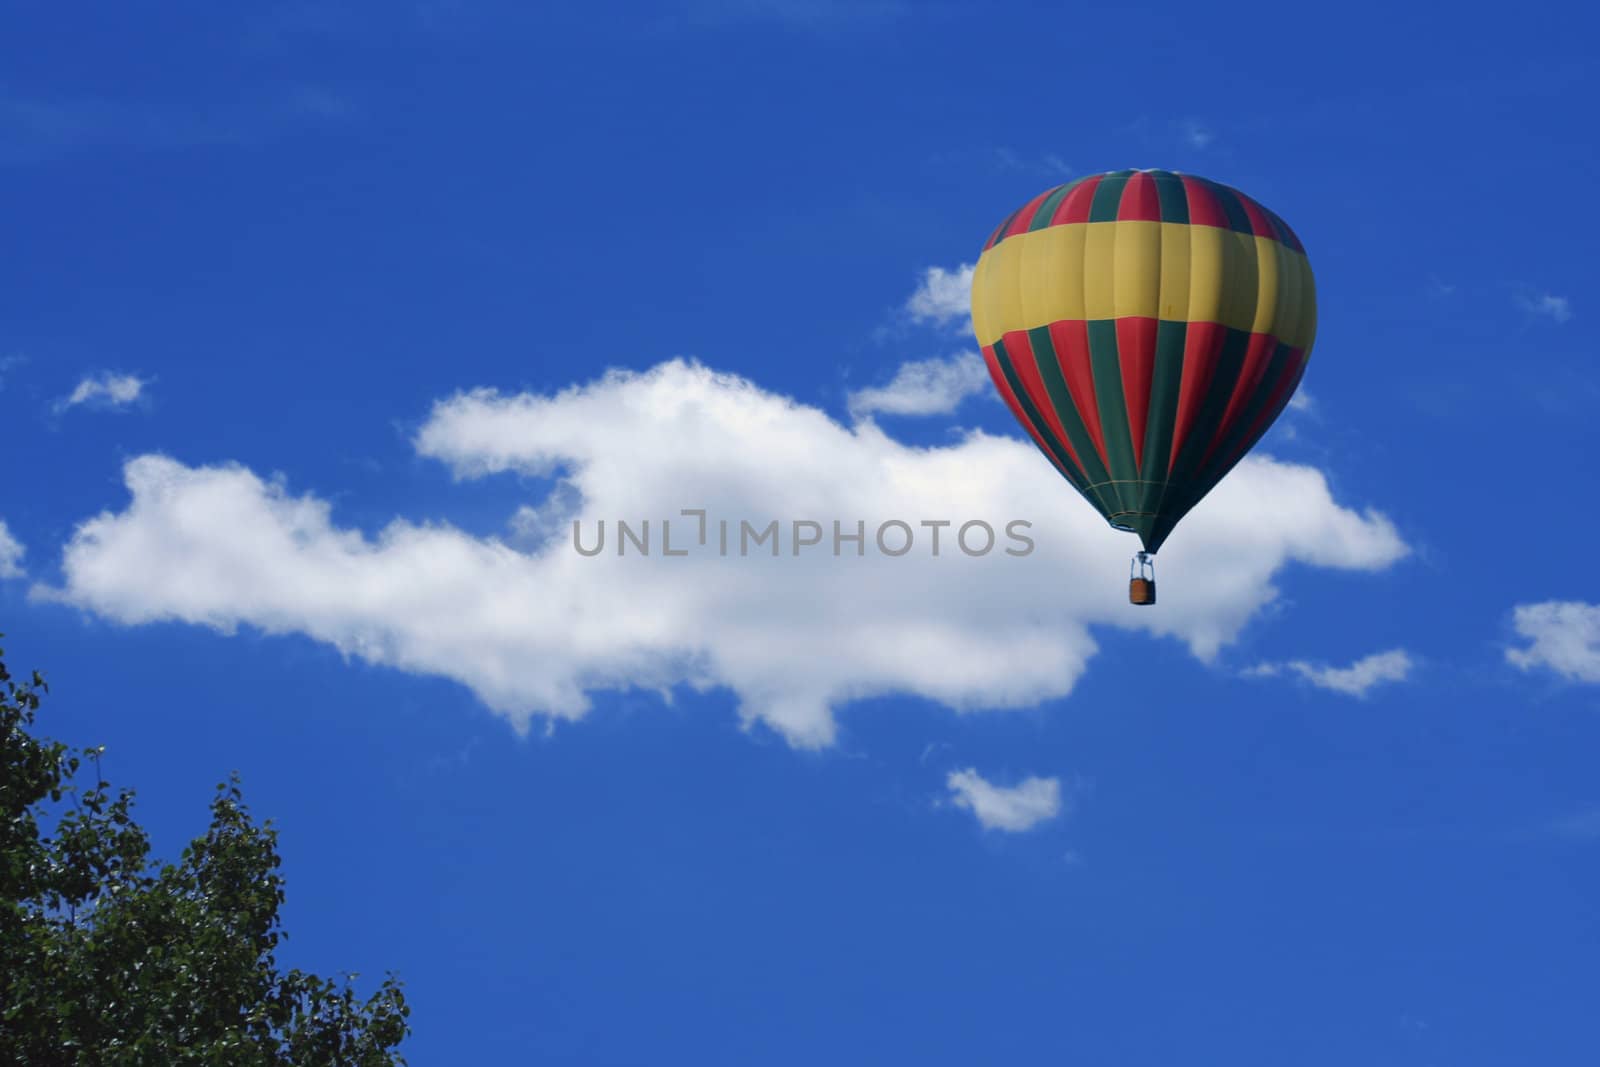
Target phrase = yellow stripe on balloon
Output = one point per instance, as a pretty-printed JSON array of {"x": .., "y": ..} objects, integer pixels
[
  {"x": 1136, "y": 262},
  {"x": 980, "y": 307},
  {"x": 1175, "y": 257},
  {"x": 1168, "y": 270},
  {"x": 1051, "y": 274}
]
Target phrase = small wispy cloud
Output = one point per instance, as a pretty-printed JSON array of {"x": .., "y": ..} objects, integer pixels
[
  {"x": 924, "y": 387},
  {"x": 9, "y": 362},
  {"x": 1582, "y": 826},
  {"x": 1163, "y": 135},
  {"x": 11, "y": 552},
  {"x": 1195, "y": 133},
  {"x": 1563, "y": 636},
  {"x": 1301, "y": 401},
  {"x": 106, "y": 390},
  {"x": 1355, "y": 680},
  {"x": 1546, "y": 306},
  {"x": 37, "y": 129},
  {"x": 1046, "y": 164},
  {"x": 802, "y": 14},
  {"x": 1011, "y": 808},
  {"x": 943, "y": 297}
]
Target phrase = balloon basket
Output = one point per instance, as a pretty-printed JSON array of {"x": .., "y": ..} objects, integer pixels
[{"x": 1142, "y": 580}]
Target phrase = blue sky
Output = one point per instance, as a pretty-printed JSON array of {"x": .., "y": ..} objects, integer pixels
[{"x": 305, "y": 324}]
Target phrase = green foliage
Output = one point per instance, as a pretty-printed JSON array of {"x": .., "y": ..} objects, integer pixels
[{"x": 108, "y": 958}]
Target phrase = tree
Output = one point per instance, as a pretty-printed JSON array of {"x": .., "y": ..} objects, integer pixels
[{"x": 108, "y": 958}]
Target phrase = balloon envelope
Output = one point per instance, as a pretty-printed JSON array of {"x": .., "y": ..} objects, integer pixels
[{"x": 1145, "y": 328}]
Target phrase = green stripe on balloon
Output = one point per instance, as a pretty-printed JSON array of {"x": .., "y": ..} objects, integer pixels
[
  {"x": 1197, "y": 441},
  {"x": 1108, "y": 197},
  {"x": 1160, "y": 423},
  {"x": 1048, "y": 361},
  {"x": 1047, "y": 210},
  {"x": 1174, "y": 200},
  {"x": 1278, "y": 364},
  {"x": 1238, "y": 220},
  {"x": 1062, "y": 457},
  {"x": 1112, "y": 405}
]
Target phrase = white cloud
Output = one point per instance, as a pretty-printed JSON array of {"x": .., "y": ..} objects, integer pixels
[
  {"x": 1555, "y": 308},
  {"x": 534, "y": 632},
  {"x": 925, "y": 387},
  {"x": 1564, "y": 637},
  {"x": 1013, "y": 808},
  {"x": 944, "y": 297},
  {"x": 1355, "y": 680},
  {"x": 1301, "y": 401},
  {"x": 105, "y": 390},
  {"x": 11, "y": 552}
]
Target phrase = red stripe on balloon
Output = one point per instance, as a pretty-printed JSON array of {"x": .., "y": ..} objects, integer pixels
[
  {"x": 1260, "y": 223},
  {"x": 1202, "y": 345},
  {"x": 1141, "y": 201},
  {"x": 1204, "y": 208},
  {"x": 1074, "y": 207},
  {"x": 1070, "y": 338},
  {"x": 1136, "y": 353},
  {"x": 1024, "y": 218},
  {"x": 1282, "y": 390},
  {"x": 1017, "y": 411},
  {"x": 1019, "y": 346},
  {"x": 1257, "y": 356}
]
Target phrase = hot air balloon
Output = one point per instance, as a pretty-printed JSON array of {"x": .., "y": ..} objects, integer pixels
[{"x": 1145, "y": 327}]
